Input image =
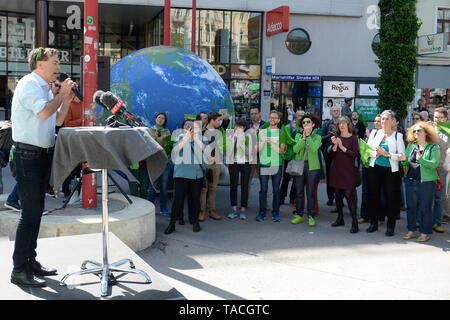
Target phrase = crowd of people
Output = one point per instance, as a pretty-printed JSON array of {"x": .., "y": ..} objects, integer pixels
[{"x": 396, "y": 169}]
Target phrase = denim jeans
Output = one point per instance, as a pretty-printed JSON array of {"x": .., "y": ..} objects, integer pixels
[
  {"x": 264, "y": 182},
  {"x": 307, "y": 179},
  {"x": 161, "y": 183},
  {"x": 33, "y": 170},
  {"x": 14, "y": 195},
  {"x": 439, "y": 198},
  {"x": 419, "y": 199}
]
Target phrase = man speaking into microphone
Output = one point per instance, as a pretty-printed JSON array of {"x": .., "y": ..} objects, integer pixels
[{"x": 35, "y": 113}]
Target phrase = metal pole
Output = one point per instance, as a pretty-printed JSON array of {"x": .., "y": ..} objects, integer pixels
[
  {"x": 194, "y": 25},
  {"x": 41, "y": 39},
  {"x": 89, "y": 199},
  {"x": 105, "y": 232},
  {"x": 166, "y": 40}
]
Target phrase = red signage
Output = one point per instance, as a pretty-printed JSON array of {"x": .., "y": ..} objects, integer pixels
[{"x": 277, "y": 20}]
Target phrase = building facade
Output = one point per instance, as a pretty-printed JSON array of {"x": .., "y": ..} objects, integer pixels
[
  {"x": 325, "y": 55},
  {"x": 433, "y": 59}
]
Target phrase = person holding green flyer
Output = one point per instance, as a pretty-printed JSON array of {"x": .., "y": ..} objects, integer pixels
[
  {"x": 365, "y": 150},
  {"x": 440, "y": 118}
]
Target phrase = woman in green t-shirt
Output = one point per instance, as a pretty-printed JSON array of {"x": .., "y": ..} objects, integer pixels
[{"x": 161, "y": 134}]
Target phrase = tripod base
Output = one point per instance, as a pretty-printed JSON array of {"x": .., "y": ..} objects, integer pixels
[{"x": 105, "y": 273}]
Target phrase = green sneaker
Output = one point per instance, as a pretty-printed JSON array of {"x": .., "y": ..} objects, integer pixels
[
  {"x": 438, "y": 228},
  {"x": 297, "y": 219},
  {"x": 311, "y": 222}
]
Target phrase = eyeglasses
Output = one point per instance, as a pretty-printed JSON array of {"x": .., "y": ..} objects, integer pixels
[
  {"x": 417, "y": 130},
  {"x": 306, "y": 121},
  {"x": 57, "y": 85}
]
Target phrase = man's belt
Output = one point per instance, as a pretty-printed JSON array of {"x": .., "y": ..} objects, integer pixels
[{"x": 30, "y": 147}]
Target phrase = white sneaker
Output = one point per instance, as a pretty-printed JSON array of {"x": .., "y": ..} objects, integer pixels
[{"x": 13, "y": 206}]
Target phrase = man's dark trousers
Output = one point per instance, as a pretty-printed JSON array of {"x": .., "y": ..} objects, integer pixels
[{"x": 33, "y": 170}]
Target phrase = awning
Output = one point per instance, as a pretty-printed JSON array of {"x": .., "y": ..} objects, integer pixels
[{"x": 433, "y": 77}]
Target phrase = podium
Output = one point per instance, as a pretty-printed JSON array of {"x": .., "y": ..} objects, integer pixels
[{"x": 106, "y": 148}]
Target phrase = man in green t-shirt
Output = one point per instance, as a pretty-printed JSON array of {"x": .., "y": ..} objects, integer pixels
[{"x": 270, "y": 161}]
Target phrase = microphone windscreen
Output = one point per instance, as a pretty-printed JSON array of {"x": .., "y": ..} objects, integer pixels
[
  {"x": 62, "y": 77},
  {"x": 97, "y": 96},
  {"x": 108, "y": 99}
]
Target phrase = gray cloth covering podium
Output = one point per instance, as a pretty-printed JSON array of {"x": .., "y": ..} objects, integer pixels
[{"x": 106, "y": 148}]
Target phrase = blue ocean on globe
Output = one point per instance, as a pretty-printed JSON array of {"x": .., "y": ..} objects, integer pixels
[{"x": 169, "y": 79}]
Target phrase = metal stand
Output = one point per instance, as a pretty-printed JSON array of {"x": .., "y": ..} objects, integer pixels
[
  {"x": 89, "y": 171},
  {"x": 104, "y": 271}
]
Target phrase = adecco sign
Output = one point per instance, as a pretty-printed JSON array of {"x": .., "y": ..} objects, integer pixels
[{"x": 277, "y": 20}]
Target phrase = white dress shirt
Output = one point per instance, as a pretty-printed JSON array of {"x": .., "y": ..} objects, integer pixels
[{"x": 30, "y": 97}]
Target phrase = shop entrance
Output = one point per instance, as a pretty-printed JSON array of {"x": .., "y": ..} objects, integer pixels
[{"x": 301, "y": 95}]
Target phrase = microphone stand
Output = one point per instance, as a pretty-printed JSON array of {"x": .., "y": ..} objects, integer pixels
[
  {"x": 111, "y": 122},
  {"x": 89, "y": 171}
]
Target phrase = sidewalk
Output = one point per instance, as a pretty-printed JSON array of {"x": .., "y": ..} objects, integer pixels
[{"x": 235, "y": 259}]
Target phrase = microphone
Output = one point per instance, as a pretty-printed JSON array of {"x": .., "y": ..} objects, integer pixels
[
  {"x": 117, "y": 107},
  {"x": 96, "y": 98},
  {"x": 64, "y": 76}
]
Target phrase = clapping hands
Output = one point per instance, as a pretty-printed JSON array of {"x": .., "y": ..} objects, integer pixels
[{"x": 336, "y": 141}]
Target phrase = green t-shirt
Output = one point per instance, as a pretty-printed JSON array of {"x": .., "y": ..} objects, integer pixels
[{"x": 268, "y": 156}]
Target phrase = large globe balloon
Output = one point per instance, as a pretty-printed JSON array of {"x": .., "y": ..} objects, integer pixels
[{"x": 168, "y": 79}]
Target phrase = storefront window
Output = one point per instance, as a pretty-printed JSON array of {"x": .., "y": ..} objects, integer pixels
[
  {"x": 20, "y": 41},
  {"x": 111, "y": 47},
  {"x": 298, "y": 41},
  {"x": 231, "y": 42},
  {"x": 180, "y": 28},
  {"x": 246, "y": 37},
  {"x": 245, "y": 94},
  {"x": 155, "y": 31},
  {"x": 214, "y": 36}
]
